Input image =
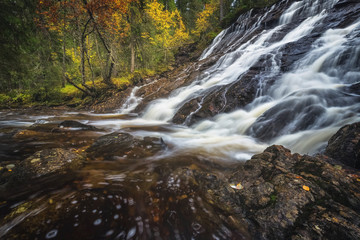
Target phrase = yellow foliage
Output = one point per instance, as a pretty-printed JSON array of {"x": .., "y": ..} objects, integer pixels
[
  {"x": 306, "y": 188},
  {"x": 69, "y": 90},
  {"x": 170, "y": 29},
  {"x": 203, "y": 19},
  {"x": 122, "y": 81}
]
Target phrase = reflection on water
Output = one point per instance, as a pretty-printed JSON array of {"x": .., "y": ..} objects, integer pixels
[{"x": 114, "y": 198}]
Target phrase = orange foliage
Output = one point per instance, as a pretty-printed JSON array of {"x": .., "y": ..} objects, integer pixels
[{"x": 108, "y": 14}]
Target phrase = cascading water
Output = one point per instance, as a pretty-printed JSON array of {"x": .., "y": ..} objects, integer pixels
[
  {"x": 300, "y": 60},
  {"x": 303, "y": 108}
]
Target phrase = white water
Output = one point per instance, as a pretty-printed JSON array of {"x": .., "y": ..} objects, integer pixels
[
  {"x": 131, "y": 103},
  {"x": 227, "y": 70},
  {"x": 227, "y": 135},
  {"x": 302, "y": 109}
]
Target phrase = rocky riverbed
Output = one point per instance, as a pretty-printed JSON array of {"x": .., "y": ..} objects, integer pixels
[{"x": 120, "y": 186}]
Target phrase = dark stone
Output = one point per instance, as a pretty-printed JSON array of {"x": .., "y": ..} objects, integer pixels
[
  {"x": 49, "y": 168},
  {"x": 343, "y": 3},
  {"x": 289, "y": 196},
  {"x": 75, "y": 124},
  {"x": 344, "y": 146},
  {"x": 218, "y": 100},
  {"x": 124, "y": 145}
]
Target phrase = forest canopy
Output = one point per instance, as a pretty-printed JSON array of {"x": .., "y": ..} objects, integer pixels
[{"x": 58, "y": 50}]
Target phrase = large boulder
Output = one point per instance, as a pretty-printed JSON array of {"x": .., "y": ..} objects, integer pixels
[
  {"x": 289, "y": 196},
  {"x": 48, "y": 168},
  {"x": 344, "y": 146}
]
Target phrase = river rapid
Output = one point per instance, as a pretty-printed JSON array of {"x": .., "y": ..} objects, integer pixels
[{"x": 300, "y": 105}]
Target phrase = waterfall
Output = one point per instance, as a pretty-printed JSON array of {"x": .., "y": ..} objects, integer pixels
[
  {"x": 131, "y": 103},
  {"x": 301, "y": 109}
]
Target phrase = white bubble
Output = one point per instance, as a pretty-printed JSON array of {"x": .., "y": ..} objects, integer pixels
[
  {"x": 131, "y": 233},
  {"x": 97, "y": 222},
  {"x": 51, "y": 234}
]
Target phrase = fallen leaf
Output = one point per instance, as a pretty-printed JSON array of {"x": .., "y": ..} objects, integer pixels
[
  {"x": 237, "y": 186},
  {"x": 306, "y": 188},
  {"x": 182, "y": 197}
]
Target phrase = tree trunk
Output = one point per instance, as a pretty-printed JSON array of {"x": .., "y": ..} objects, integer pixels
[
  {"x": 82, "y": 56},
  {"x": 64, "y": 55},
  {"x": 221, "y": 10},
  {"x": 63, "y": 63},
  {"x": 91, "y": 69},
  {"x": 108, "y": 72},
  {"x": 86, "y": 91},
  {"x": 132, "y": 65},
  {"x": 110, "y": 59}
]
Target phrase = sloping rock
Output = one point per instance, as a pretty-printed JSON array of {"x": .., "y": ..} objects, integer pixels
[
  {"x": 289, "y": 196},
  {"x": 344, "y": 146},
  {"x": 125, "y": 145}
]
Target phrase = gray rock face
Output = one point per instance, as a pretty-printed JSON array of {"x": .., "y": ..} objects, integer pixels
[{"x": 344, "y": 146}]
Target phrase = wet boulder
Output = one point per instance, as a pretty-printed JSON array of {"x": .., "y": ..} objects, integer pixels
[
  {"x": 124, "y": 145},
  {"x": 289, "y": 196},
  {"x": 48, "y": 168},
  {"x": 219, "y": 99},
  {"x": 76, "y": 125},
  {"x": 344, "y": 146}
]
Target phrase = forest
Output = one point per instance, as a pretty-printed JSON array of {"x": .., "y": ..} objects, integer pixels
[{"x": 72, "y": 51}]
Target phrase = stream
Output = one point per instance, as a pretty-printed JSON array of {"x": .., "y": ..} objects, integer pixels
[{"x": 146, "y": 194}]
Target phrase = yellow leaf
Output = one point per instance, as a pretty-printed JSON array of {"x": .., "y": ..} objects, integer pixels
[
  {"x": 237, "y": 186},
  {"x": 306, "y": 188},
  {"x": 182, "y": 197}
]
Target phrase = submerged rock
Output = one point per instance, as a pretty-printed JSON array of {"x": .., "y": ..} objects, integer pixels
[
  {"x": 49, "y": 168},
  {"x": 344, "y": 146},
  {"x": 124, "y": 145},
  {"x": 77, "y": 125}
]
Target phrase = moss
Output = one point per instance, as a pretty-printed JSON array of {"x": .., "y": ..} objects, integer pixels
[{"x": 273, "y": 198}]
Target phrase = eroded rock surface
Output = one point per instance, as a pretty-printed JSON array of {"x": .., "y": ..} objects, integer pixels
[
  {"x": 345, "y": 146},
  {"x": 289, "y": 196}
]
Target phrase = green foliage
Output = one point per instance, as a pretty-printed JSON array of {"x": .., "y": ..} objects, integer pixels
[
  {"x": 241, "y": 6},
  {"x": 35, "y": 55},
  {"x": 22, "y": 98},
  {"x": 4, "y": 99}
]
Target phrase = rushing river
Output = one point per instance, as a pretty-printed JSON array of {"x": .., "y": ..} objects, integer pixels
[{"x": 145, "y": 198}]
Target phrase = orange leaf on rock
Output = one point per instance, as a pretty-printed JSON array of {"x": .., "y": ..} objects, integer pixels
[{"x": 306, "y": 188}]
